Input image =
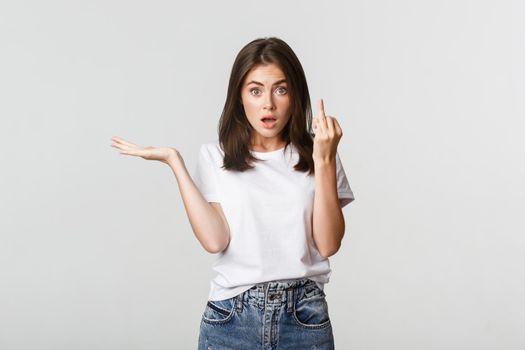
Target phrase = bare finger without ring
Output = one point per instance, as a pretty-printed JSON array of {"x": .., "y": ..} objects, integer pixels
[{"x": 125, "y": 142}]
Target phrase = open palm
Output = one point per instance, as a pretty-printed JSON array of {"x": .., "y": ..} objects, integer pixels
[{"x": 162, "y": 154}]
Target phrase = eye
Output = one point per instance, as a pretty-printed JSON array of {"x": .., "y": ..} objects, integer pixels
[
  {"x": 282, "y": 90},
  {"x": 252, "y": 90}
]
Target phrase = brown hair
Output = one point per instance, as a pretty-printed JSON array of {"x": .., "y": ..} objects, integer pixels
[{"x": 234, "y": 129}]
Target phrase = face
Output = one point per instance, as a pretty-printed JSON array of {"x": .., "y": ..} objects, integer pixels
[{"x": 264, "y": 94}]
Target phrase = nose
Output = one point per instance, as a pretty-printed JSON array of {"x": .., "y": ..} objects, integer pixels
[{"x": 268, "y": 102}]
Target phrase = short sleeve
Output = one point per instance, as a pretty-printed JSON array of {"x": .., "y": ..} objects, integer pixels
[
  {"x": 344, "y": 191},
  {"x": 205, "y": 176}
]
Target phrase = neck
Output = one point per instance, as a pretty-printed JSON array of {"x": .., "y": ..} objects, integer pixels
[{"x": 267, "y": 145}]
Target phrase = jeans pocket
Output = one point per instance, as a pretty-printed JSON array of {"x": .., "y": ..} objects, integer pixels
[
  {"x": 312, "y": 311},
  {"x": 219, "y": 311},
  {"x": 311, "y": 288}
]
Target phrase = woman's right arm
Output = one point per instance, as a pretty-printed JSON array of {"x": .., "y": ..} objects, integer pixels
[{"x": 207, "y": 219}]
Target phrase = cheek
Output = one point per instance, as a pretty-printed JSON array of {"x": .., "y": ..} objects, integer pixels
[
  {"x": 284, "y": 105},
  {"x": 251, "y": 110},
  {"x": 252, "y": 104}
]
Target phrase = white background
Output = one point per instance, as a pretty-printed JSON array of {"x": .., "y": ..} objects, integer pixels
[{"x": 96, "y": 251}]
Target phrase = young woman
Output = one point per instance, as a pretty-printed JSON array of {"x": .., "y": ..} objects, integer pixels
[{"x": 267, "y": 196}]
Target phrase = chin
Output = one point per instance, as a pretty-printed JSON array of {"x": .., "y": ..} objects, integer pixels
[{"x": 270, "y": 133}]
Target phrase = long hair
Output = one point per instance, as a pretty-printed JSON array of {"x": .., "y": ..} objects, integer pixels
[{"x": 234, "y": 129}]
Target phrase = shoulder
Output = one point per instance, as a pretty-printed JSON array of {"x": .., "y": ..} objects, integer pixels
[{"x": 212, "y": 149}]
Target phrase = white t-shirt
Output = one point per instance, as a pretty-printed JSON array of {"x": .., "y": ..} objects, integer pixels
[{"x": 269, "y": 213}]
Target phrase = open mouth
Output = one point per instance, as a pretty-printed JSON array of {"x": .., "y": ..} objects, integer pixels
[{"x": 269, "y": 122}]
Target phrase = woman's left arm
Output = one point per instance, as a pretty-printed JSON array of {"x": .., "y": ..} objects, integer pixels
[{"x": 328, "y": 221}]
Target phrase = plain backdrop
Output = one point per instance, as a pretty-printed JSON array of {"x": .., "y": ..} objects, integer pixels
[{"x": 96, "y": 251}]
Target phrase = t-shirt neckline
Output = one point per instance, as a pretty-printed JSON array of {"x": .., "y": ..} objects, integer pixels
[{"x": 271, "y": 154}]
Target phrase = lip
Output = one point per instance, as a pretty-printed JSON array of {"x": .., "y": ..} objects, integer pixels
[
  {"x": 269, "y": 125},
  {"x": 269, "y": 116}
]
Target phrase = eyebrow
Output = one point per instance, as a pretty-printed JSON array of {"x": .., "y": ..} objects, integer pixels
[{"x": 259, "y": 83}]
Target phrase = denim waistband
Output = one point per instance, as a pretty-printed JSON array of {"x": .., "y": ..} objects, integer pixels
[
  {"x": 278, "y": 292},
  {"x": 279, "y": 286}
]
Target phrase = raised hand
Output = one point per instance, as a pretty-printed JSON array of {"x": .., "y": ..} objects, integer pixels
[
  {"x": 327, "y": 135},
  {"x": 163, "y": 154}
]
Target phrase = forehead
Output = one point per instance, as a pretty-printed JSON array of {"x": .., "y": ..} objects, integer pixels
[{"x": 266, "y": 74}]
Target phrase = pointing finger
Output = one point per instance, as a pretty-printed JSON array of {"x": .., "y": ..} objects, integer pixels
[{"x": 321, "y": 109}]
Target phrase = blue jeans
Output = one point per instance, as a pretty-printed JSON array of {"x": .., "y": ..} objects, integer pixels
[{"x": 272, "y": 315}]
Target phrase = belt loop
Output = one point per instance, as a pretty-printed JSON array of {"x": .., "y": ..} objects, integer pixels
[
  {"x": 290, "y": 299},
  {"x": 239, "y": 302}
]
